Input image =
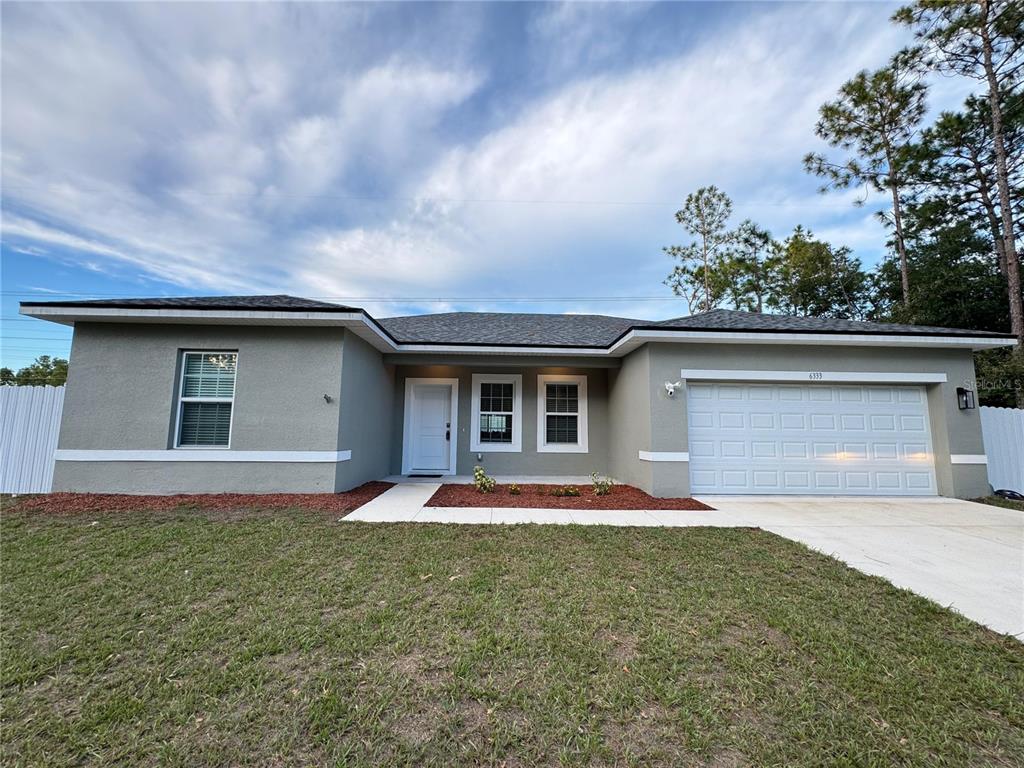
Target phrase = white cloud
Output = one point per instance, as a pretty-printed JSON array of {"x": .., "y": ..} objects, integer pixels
[{"x": 241, "y": 147}]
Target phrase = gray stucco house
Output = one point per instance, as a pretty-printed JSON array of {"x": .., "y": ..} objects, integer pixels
[{"x": 281, "y": 394}]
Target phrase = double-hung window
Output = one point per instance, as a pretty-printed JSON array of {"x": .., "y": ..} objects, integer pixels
[
  {"x": 497, "y": 413},
  {"x": 205, "y": 399},
  {"x": 562, "y": 414}
]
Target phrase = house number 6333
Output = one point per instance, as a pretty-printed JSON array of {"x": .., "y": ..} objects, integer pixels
[{"x": 815, "y": 375}]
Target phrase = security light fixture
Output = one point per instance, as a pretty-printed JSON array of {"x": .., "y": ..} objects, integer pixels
[
  {"x": 671, "y": 386},
  {"x": 964, "y": 399}
]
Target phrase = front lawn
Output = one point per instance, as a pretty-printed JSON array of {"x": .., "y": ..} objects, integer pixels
[{"x": 179, "y": 638}]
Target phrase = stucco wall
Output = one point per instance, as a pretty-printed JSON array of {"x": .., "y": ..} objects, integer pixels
[
  {"x": 953, "y": 431},
  {"x": 629, "y": 413},
  {"x": 367, "y": 403},
  {"x": 158, "y": 477},
  {"x": 123, "y": 380},
  {"x": 529, "y": 461},
  {"x": 122, "y": 395}
]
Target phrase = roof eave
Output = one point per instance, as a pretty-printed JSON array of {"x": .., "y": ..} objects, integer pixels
[
  {"x": 361, "y": 323},
  {"x": 356, "y": 320}
]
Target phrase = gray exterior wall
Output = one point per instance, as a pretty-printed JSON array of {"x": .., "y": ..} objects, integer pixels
[
  {"x": 953, "y": 431},
  {"x": 122, "y": 395},
  {"x": 629, "y": 414},
  {"x": 123, "y": 380},
  {"x": 528, "y": 461},
  {"x": 367, "y": 403}
]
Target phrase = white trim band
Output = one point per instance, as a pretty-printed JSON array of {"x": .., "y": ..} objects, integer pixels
[
  {"x": 968, "y": 458},
  {"x": 212, "y": 454},
  {"x": 814, "y": 377},
  {"x": 664, "y": 456}
]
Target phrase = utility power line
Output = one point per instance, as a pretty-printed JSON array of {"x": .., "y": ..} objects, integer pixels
[
  {"x": 378, "y": 299},
  {"x": 823, "y": 203}
]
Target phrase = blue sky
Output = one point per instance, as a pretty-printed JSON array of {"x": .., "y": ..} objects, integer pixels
[{"x": 408, "y": 158}]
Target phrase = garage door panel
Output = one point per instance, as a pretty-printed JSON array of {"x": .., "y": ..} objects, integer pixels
[
  {"x": 855, "y": 451},
  {"x": 858, "y": 481},
  {"x": 912, "y": 423},
  {"x": 919, "y": 480},
  {"x": 731, "y": 420},
  {"x": 809, "y": 449},
  {"x": 700, "y": 392},
  {"x": 851, "y": 422}
]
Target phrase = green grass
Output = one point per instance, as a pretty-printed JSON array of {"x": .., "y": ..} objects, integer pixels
[{"x": 175, "y": 639}]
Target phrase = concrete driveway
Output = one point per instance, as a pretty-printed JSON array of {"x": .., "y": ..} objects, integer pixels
[{"x": 960, "y": 554}]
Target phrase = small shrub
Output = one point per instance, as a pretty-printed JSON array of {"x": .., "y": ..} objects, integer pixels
[
  {"x": 566, "y": 490},
  {"x": 602, "y": 485},
  {"x": 481, "y": 481},
  {"x": 514, "y": 490}
]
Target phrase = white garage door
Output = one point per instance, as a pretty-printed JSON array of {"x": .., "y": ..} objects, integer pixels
[{"x": 803, "y": 439}]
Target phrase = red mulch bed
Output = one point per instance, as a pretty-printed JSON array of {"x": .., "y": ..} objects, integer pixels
[
  {"x": 539, "y": 496},
  {"x": 78, "y": 503}
]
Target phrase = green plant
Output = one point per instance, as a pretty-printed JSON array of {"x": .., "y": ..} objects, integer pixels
[
  {"x": 602, "y": 485},
  {"x": 566, "y": 490},
  {"x": 482, "y": 481},
  {"x": 514, "y": 490}
]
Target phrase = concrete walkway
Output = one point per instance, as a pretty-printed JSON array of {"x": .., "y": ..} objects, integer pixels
[
  {"x": 960, "y": 554},
  {"x": 405, "y": 503}
]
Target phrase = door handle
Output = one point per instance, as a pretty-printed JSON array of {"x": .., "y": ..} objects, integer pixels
[{"x": 448, "y": 431}]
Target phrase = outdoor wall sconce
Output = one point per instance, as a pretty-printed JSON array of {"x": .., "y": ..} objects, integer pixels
[{"x": 964, "y": 399}]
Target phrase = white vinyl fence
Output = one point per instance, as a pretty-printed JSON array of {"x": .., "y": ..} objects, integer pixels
[
  {"x": 29, "y": 423},
  {"x": 1003, "y": 432}
]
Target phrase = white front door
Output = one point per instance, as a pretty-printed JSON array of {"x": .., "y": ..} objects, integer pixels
[
  {"x": 430, "y": 428},
  {"x": 842, "y": 439}
]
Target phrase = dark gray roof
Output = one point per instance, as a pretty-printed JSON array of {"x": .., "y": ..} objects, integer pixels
[
  {"x": 504, "y": 328},
  {"x": 733, "y": 320},
  {"x": 522, "y": 329},
  {"x": 279, "y": 303}
]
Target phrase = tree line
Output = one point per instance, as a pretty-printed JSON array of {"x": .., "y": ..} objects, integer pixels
[
  {"x": 955, "y": 188},
  {"x": 44, "y": 370}
]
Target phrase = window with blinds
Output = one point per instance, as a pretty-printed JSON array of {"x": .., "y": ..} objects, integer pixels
[
  {"x": 562, "y": 406},
  {"x": 206, "y": 398},
  {"x": 497, "y": 403},
  {"x": 495, "y": 413},
  {"x": 562, "y": 413}
]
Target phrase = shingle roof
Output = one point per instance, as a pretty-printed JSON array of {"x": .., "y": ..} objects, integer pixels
[
  {"x": 523, "y": 329},
  {"x": 503, "y": 328},
  {"x": 507, "y": 328},
  {"x": 278, "y": 303},
  {"x": 733, "y": 320}
]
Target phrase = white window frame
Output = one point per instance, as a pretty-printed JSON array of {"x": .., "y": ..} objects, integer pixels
[
  {"x": 516, "y": 446},
  {"x": 182, "y": 399},
  {"x": 581, "y": 446}
]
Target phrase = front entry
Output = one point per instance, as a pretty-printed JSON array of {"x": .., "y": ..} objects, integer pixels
[{"x": 430, "y": 434}]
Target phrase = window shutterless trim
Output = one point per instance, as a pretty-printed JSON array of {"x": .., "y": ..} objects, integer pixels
[
  {"x": 516, "y": 446},
  {"x": 581, "y": 444},
  {"x": 182, "y": 399}
]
